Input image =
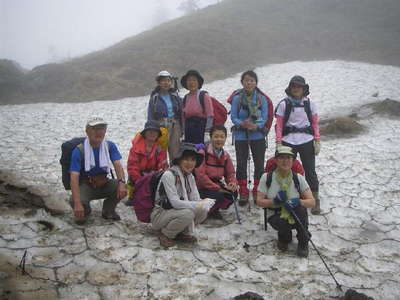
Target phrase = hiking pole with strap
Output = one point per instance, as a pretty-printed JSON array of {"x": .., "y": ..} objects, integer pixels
[
  {"x": 312, "y": 243},
  {"x": 265, "y": 218},
  {"x": 248, "y": 167},
  {"x": 236, "y": 208}
]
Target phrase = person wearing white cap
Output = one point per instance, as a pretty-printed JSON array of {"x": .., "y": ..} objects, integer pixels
[
  {"x": 165, "y": 107},
  {"x": 286, "y": 192},
  {"x": 91, "y": 162}
]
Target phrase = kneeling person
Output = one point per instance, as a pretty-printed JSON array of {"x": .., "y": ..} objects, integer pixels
[
  {"x": 285, "y": 196},
  {"x": 90, "y": 165},
  {"x": 178, "y": 204}
]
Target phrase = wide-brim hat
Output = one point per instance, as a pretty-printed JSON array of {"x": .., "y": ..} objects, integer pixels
[
  {"x": 163, "y": 74},
  {"x": 195, "y": 73},
  {"x": 284, "y": 150},
  {"x": 188, "y": 147},
  {"x": 151, "y": 125},
  {"x": 299, "y": 80}
]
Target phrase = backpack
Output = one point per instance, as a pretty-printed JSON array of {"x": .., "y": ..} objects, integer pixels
[
  {"x": 220, "y": 111},
  {"x": 288, "y": 109},
  {"x": 270, "y": 117},
  {"x": 65, "y": 160},
  {"x": 66, "y": 154},
  {"x": 145, "y": 194}
]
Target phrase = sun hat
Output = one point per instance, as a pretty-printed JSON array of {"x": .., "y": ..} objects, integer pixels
[
  {"x": 188, "y": 147},
  {"x": 194, "y": 73},
  {"x": 163, "y": 74},
  {"x": 151, "y": 125},
  {"x": 299, "y": 80}
]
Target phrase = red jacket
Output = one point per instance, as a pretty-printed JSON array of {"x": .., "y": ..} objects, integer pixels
[
  {"x": 140, "y": 162},
  {"x": 208, "y": 172}
]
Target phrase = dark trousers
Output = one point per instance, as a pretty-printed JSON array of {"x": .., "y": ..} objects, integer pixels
[
  {"x": 258, "y": 148},
  {"x": 307, "y": 156},
  {"x": 194, "y": 130},
  {"x": 223, "y": 200},
  {"x": 285, "y": 229}
]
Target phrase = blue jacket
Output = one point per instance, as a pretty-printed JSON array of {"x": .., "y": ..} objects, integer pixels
[
  {"x": 157, "y": 109},
  {"x": 240, "y": 114}
]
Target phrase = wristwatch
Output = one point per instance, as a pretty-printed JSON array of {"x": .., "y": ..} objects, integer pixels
[{"x": 122, "y": 180}]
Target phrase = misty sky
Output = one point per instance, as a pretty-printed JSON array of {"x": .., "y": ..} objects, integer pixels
[{"x": 35, "y": 32}]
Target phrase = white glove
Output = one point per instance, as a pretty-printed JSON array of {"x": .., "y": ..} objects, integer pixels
[
  {"x": 205, "y": 204},
  {"x": 317, "y": 146}
]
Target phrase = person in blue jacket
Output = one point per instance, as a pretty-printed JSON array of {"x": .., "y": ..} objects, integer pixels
[
  {"x": 249, "y": 113},
  {"x": 165, "y": 107}
]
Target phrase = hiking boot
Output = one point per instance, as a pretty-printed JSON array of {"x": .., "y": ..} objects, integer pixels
[
  {"x": 165, "y": 241},
  {"x": 316, "y": 210},
  {"x": 216, "y": 214},
  {"x": 186, "y": 238},
  {"x": 112, "y": 216},
  {"x": 302, "y": 250},
  {"x": 244, "y": 199},
  {"x": 282, "y": 246}
]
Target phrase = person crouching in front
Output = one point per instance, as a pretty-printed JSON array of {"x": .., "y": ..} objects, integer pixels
[
  {"x": 178, "y": 206},
  {"x": 286, "y": 193}
]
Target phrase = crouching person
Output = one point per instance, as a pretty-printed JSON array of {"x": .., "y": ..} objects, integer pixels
[
  {"x": 178, "y": 206},
  {"x": 286, "y": 193},
  {"x": 215, "y": 177},
  {"x": 91, "y": 162}
]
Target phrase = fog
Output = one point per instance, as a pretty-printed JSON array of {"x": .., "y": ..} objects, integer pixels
[{"x": 35, "y": 32}]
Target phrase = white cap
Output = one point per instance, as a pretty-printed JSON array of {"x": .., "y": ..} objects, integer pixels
[
  {"x": 163, "y": 74},
  {"x": 95, "y": 121}
]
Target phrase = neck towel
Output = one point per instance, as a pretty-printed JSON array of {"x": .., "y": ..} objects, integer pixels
[{"x": 104, "y": 156}]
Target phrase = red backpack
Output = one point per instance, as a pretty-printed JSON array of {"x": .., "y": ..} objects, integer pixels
[
  {"x": 270, "y": 117},
  {"x": 220, "y": 112}
]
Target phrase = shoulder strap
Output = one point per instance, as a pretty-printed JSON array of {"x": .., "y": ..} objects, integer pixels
[
  {"x": 201, "y": 99},
  {"x": 296, "y": 182},
  {"x": 213, "y": 165},
  {"x": 269, "y": 179},
  {"x": 288, "y": 110},
  {"x": 307, "y": 108},
  {"x": 184, "y": 101}
]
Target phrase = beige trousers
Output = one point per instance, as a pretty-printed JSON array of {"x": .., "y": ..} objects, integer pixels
[{"x": 174, "y": 221}]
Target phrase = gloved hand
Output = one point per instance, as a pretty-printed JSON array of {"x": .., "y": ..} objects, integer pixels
[
  {"x": 246, "y": 124},
  {"x": 292, "y": 203},
  {"x": 317, "y": 146},
  {"x": 280, "y": 198}
]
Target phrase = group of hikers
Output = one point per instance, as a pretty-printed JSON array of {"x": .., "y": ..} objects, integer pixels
[{"x": 180, "y": 152}]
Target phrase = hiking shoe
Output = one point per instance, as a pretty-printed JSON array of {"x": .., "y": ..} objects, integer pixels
[
  {"x": 215, "y": 215},
  {"x": 282, "y": 246},
  {"x": 302, "y": 250},
  {"x": 244, "y": 199},
  {"x": 186, "y": 238},
  {"x": 113, "y": 216},
  {"x": 165, "y": 241},
  {"x": 316, "y": 210}
]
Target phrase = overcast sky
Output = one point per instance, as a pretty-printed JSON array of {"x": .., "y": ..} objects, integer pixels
[{"x": 35, "y": 32}]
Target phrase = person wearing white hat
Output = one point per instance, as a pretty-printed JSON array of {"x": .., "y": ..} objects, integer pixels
[
  {"x": 165, "y": 107},
  {"x": 286, "y": 193},
  {"x": 91, "y": 162}
]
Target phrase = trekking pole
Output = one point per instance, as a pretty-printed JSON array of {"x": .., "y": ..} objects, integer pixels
[
  {"x": 248, "y": 167},
  {"x": 265, "y": 218},
  {"x": 315, "y": 248},
  {"x": 236, "y": 208}
]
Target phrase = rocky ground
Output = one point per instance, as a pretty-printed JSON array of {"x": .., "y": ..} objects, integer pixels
[{"x": 358, "y": 232}]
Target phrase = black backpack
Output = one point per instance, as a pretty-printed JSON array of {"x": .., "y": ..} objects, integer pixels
[
  {"x": 66, "y": 154},
  {"x": 65, "y": 160}
]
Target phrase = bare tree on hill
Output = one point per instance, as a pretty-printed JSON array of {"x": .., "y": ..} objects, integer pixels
[{"x": 189, "y": 6}]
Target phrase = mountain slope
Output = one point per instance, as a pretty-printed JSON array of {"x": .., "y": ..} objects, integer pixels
[{"x": 221, "y": 40}]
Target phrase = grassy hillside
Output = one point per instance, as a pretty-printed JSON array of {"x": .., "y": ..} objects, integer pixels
[{"x": 219, "y": 41}]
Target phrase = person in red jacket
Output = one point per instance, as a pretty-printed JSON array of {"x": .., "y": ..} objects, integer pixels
[
  {"x": 216, "y": 177},
  {"x": 145, "y": 155}
]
